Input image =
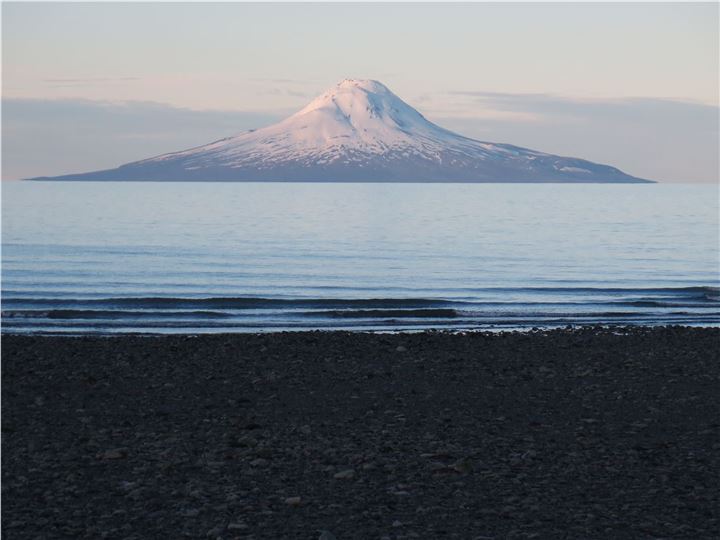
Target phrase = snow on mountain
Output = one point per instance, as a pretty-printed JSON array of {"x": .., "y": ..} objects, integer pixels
[{"x": 358, "y": 130}]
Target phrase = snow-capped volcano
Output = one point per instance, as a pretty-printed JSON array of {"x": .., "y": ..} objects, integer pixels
[{"x": 358, "y": 130}]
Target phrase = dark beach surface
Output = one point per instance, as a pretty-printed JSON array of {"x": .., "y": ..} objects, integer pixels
[{"x": 577, "y": 433}]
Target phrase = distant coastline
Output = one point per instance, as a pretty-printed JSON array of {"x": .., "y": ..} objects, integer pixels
[
  {"x": 78, "y": 178},
  {"x": 359, "y": 131}
]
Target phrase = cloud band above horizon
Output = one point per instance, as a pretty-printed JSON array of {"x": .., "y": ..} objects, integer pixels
[{"x": 659, "y": 139}]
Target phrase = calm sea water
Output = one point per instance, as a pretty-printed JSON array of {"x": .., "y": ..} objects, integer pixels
[{"x": 219, "y": 257}]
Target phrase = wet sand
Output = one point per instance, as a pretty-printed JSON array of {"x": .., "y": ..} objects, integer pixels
[{"x": 585, "y": 433}]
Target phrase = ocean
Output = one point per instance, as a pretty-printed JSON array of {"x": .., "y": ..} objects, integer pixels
[{"x": 87, "y": 257}]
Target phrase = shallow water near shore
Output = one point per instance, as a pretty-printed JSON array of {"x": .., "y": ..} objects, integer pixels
[{"x": 219, "y": 257}]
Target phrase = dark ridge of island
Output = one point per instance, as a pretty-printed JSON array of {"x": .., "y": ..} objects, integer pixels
[
  {"x": 578, "y": 433},
  {"x": 358, "y": 131}
]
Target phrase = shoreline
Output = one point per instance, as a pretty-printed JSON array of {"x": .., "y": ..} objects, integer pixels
[
  {"x": 619, "y": 329},
  {"x": 590, "y": 432}
]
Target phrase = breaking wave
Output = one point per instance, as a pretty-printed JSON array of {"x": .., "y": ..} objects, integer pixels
[{"x": 500, "y": 307}]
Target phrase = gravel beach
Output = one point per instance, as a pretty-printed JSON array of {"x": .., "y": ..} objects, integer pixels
[{"x": 576, "y": 433}]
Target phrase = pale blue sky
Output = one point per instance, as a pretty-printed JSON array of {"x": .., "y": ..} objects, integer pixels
[{"x": 632, "y": 85}]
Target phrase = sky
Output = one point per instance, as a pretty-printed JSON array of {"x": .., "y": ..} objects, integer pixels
[{"x": 87, "y": 86}]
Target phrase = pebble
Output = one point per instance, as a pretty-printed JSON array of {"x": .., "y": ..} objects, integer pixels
[
  {"x": 116, "y": 453},
  {"x": 472, "y": 435}
]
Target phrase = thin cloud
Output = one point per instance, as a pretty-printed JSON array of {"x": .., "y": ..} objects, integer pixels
[
  {"x": 646, "y": 110},
  {"x": 91, "y": 79},
  {"x": 283, "y": 81},
  {"x": 285, "y": 92},
  {"x": 86, "y": 82}
]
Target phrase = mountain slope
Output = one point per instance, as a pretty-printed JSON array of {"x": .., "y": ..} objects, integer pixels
[{"x": 359, "y": 131}]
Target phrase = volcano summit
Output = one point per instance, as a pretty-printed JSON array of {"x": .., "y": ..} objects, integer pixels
[{"x": 358, "y": 131}]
